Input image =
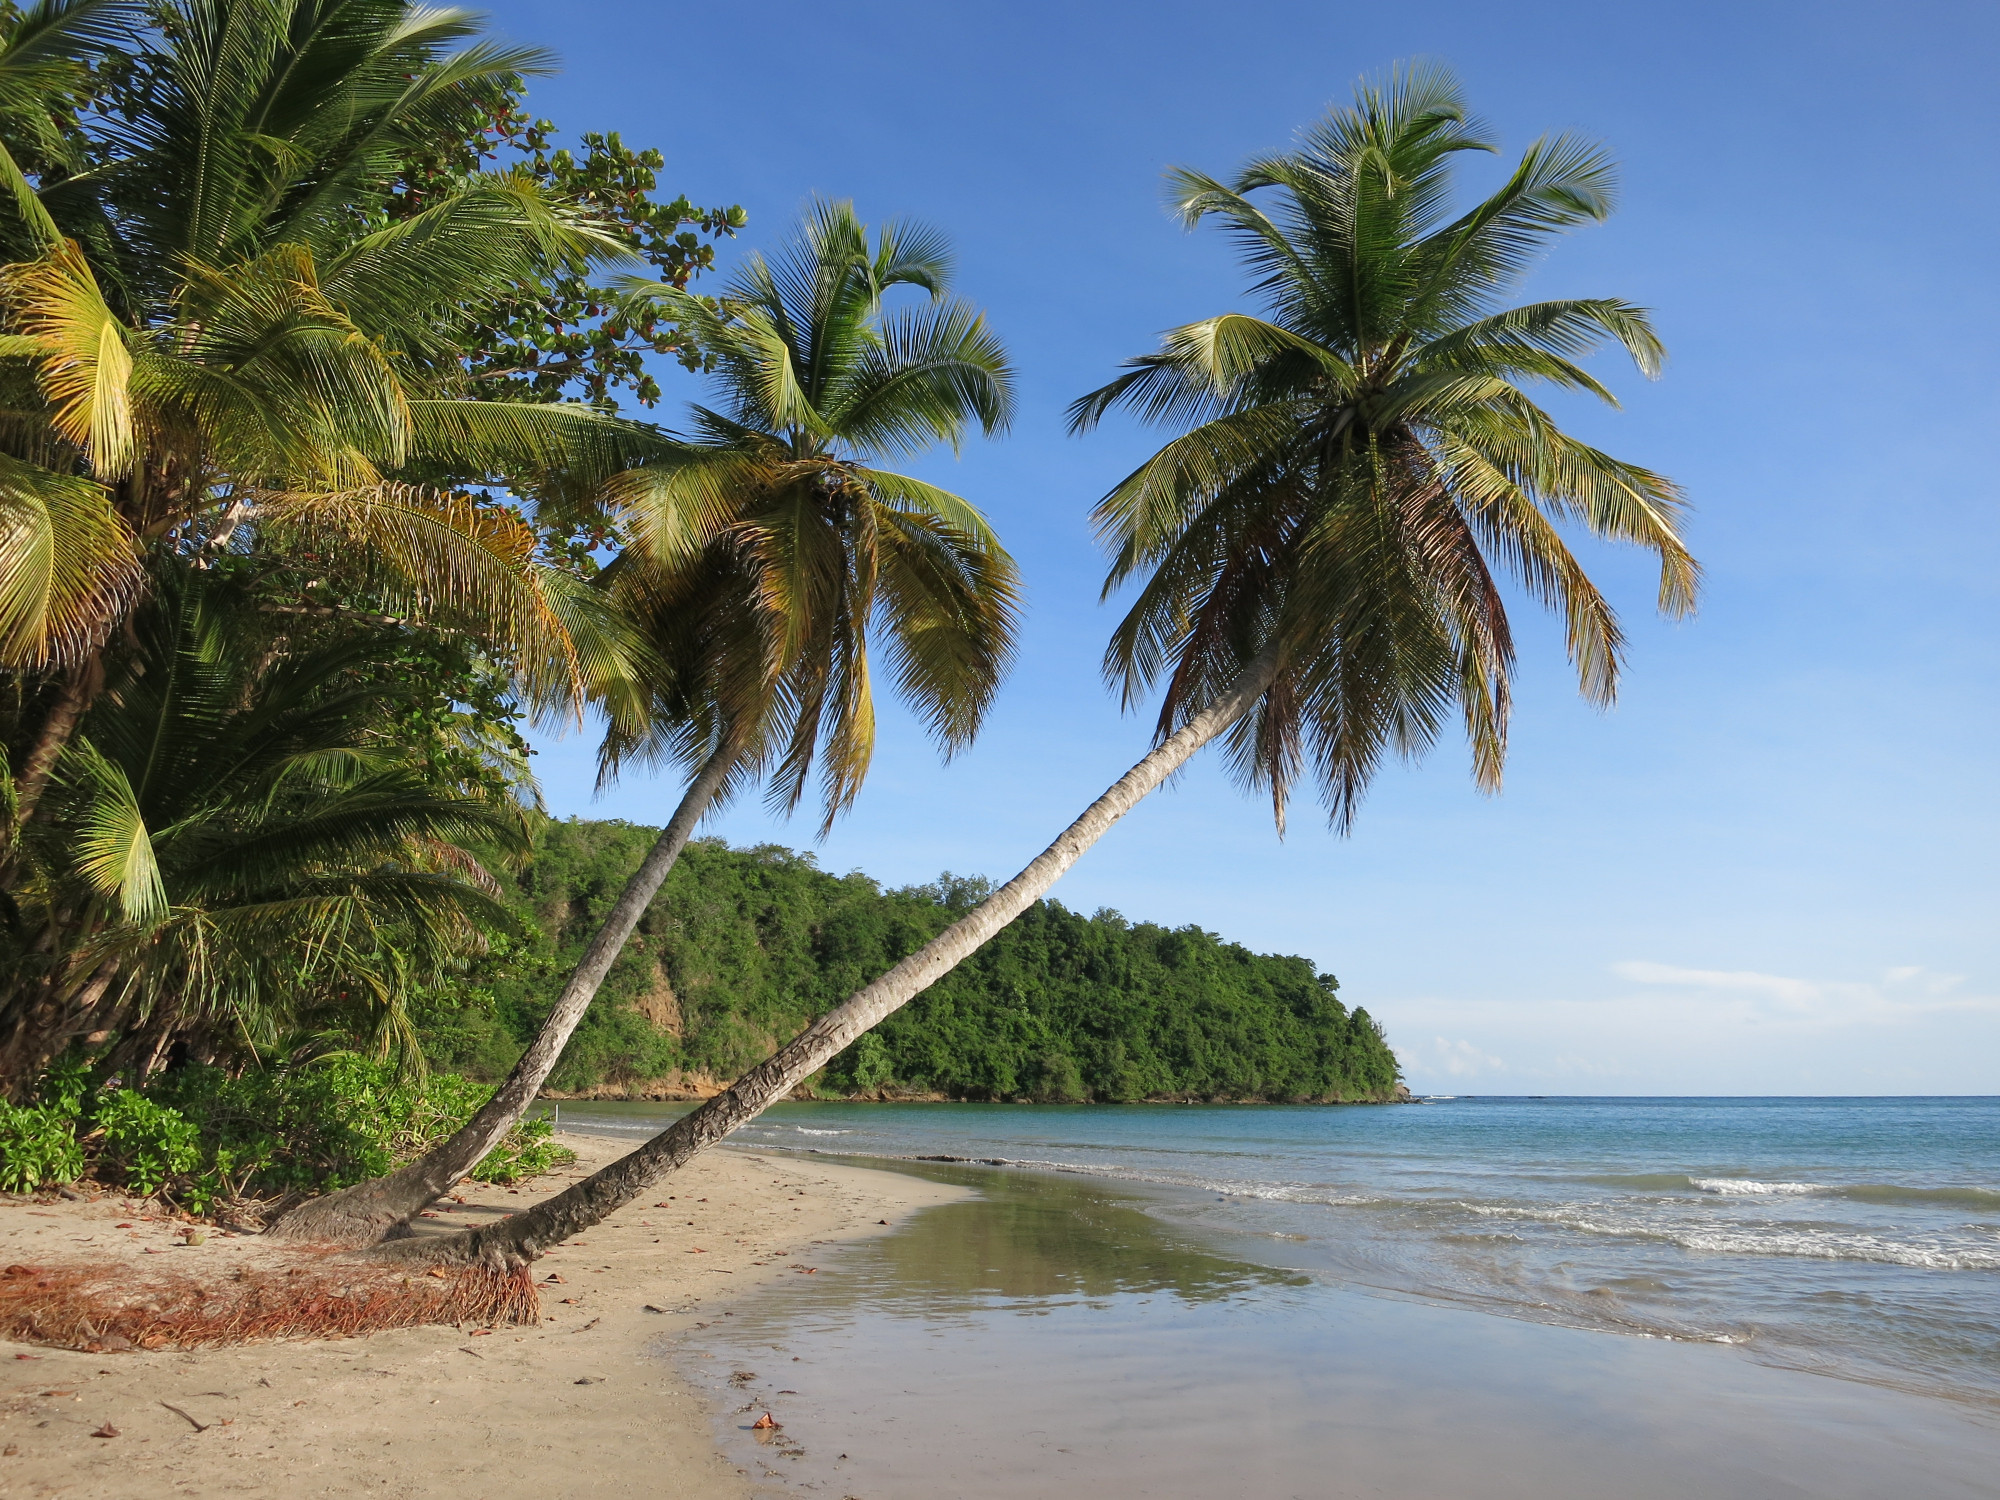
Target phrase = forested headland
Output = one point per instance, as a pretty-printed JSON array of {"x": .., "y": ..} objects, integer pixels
[{"x": 744, "y": 946}]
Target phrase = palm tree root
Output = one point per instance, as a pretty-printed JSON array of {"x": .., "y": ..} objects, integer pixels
[{"x": 103, "y": 1308}]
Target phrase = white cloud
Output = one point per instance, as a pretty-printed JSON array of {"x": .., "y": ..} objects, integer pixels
[{"x": 1792, "y": 993}]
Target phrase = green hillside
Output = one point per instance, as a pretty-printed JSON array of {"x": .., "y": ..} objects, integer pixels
[{"x": 743, "y": 946}]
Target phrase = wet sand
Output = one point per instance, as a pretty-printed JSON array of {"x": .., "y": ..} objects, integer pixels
[
  {"x": 1051, "y": 1338},
  {"x": 574, "y": 1408}
]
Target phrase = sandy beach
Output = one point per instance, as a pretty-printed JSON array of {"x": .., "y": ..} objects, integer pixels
[{"x": 574, "y": 1408}]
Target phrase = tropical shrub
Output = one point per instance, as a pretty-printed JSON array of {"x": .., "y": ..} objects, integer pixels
[
  {"x": 333, "y": 1122},
  {"x": 38, "y": 1147},
  {"x": 146, "y": 1144},
  {"x": 199, "y": 1136}
]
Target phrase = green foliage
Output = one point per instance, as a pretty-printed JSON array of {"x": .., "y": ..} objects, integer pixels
[
  {"x": 745, "y": 946},
  {"x": 199, "y": 1135},
  {"x": 146, "y": 1144},
  {"x": 564, "y": 337},
  {"x": 245, "y": 842},
  {"x": 528, "y": 1150},
  {"x": 38, "y": 1147},
  {"x": 264, "y": 275},
  {"x": 1353, "y": 469},
  {"x": 339, "y": 1120},
  {"x": 770, "y": 562}
]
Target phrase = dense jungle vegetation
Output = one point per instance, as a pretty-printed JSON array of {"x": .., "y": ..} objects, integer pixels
[{"x": 744, "y": 946}]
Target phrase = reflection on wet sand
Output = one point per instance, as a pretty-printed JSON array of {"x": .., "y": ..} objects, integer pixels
[{"x": 1038, "y": 1242}]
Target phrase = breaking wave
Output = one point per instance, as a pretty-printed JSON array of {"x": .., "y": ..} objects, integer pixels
[{"x": 1743, "y": 1187}]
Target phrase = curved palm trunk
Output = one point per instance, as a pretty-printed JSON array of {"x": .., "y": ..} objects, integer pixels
[
  {"x": 367, "y": 1212},
  {"x": 519, "y": 1240}
]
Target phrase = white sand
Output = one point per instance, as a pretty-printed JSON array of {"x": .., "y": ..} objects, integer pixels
[{"x": 574, "y": 1408}]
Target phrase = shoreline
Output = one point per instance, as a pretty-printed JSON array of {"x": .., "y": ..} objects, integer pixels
[
  {"x": 693, "y": 1093},
  {"x": 582, "y": 1405}
]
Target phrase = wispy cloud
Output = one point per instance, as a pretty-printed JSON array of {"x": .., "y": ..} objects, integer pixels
[
  {"x": 1453, "y": 1058},
  {"x": 1897, "y": 993}
]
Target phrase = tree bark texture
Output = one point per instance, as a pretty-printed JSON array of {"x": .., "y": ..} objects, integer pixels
[
  {"x": 44, "y": 1022},
  {"x": 79, "y": 686},
  {"x": 525, "y": 1237},
  {"x": 365, "y": 1213}
]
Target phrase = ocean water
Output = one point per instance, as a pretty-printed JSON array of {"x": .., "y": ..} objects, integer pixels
[{"x": 1851, "y": 1237}]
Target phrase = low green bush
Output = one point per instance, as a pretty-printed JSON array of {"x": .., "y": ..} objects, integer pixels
[
  {"x": 145, "y": 1144},
  {"x": 38, "y": 1147},
  {"x": 200, "y": 1135}
]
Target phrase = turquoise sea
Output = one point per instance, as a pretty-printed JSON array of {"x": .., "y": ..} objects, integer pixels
[{"x": 1144, "y": 1285}]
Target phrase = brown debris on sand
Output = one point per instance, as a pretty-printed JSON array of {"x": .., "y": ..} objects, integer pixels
[{"x": 98, "y": 1308}]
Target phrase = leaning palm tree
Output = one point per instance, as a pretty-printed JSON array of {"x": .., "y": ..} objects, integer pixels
[
  {"x": 1315, "y": 556},
  {"x": 761, "y": 557}
]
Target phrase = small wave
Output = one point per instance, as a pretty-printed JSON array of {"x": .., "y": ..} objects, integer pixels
[
  {"x": 1743, "y": 1187},
  {"x": 1888, "y": 1194},
  {"x": 1801, "y": 1244},
  {"x": 807, "y": 1130},
  {"x": 608, "y": 1125},
  {"x": 1850, "y": 1247}
]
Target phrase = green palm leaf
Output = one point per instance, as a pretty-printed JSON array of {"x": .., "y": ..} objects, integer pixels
[{"x": 114, "y": 851}]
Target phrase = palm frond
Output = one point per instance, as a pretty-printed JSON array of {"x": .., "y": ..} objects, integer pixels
[
  {"x": 86, "y": 364},
  {"x": 1361, "y": 464},
  {"x": 68, "y": 565},
  {"x": 114, "y": 850}
]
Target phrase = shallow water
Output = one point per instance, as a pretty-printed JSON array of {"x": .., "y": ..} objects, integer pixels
[
  {"x": 1857, "y": 1237},
  {"x": 1053, "y": 1337}
]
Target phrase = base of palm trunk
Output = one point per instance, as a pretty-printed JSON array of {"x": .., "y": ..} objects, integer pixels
[{"x": 355, "y": 1218}]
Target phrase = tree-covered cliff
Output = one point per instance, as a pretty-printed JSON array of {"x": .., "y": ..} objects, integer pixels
[{"x": 743, "y": 946}]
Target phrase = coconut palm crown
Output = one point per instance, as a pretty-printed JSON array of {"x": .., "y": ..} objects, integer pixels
[
  {"x": 1363, "y": 458},
  {"x": 214, "y": 332},
  {"x": 770, "y": 547}
]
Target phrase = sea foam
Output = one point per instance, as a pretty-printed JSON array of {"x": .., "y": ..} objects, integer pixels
[{"x": 1743, "y": 1187}]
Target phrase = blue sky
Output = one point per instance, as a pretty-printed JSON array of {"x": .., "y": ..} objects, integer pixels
[{"x": 1772, "y": 867}]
